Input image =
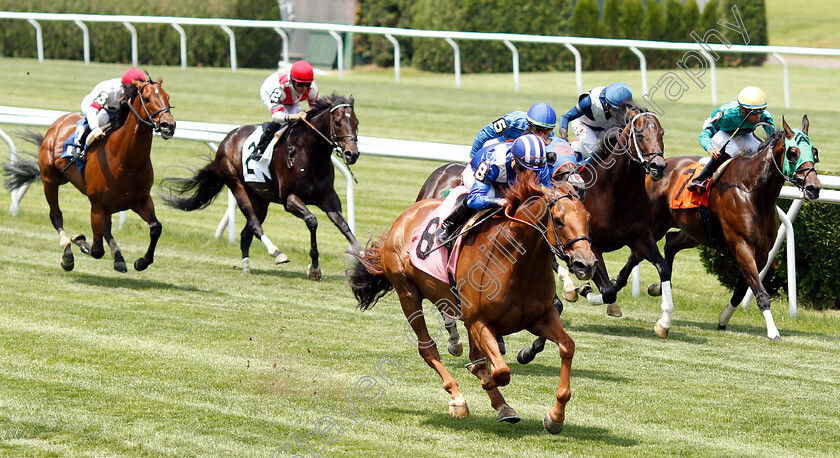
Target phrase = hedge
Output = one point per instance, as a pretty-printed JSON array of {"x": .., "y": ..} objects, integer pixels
[{"x": 817, "y": 258}]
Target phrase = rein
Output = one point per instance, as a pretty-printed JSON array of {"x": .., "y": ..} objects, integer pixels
[
  {"x": 794, "y": 179},
  {"x": 561, "y": 251},
  {"x": 333, "y": 137},
  {"x": 640, "y": 156}
]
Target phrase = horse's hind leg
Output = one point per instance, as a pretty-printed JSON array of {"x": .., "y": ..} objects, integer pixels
[
  {"x": 260, "y": 208},
  {"x": 57, "y": 219},
  {"x": 483, "y": 338},
  {"x": 411, "y": 301},
  {"x": 478, "y": 367},
  {"x": 747, "y": 261},
  {"x": 729, "y": 310},
  {"x": 296, "y": 207},
  {"x": 244, "y": 201},
  {"x": 605, "y": 286},
  {"x": 551, "y": 327},
  {"x": 146, "y": 210}
]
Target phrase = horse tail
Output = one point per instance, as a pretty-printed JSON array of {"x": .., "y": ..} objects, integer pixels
[
  {"x": 23, "y": 171},
  {"x": 366, "y": 277},
  {"x": 202, "y": 189}
]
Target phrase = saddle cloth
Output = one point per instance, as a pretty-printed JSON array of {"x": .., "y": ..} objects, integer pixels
[
  {"x": 257, "y": 171},
  {"x": 439, "y": 263},
  {"x": 682, "y": 198}
]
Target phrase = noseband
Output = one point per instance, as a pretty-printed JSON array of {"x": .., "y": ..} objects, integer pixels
[{"x": 155, "y": 125}]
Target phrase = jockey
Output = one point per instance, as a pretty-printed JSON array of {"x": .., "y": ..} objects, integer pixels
[
  {"x": 730, "y": 128},
  {"x": 541, "y": 119},
  {"x": 101, "y": 106},
  {"x": 493, "y": 167},
  {"x": 591, "y": 117},
  {"x": 281, "y": 93}
]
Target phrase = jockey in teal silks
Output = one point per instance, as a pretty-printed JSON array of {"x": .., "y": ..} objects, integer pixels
[{"x": 728, "y": 131}]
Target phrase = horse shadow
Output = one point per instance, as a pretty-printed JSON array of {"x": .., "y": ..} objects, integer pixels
[
  {"x": 295, "y": 274},
  {"x": 135, "y": 284},
  {"x": 486, "y": 423},
  {"x": 750, "y": 330},
  {"x": 541, "y": 370},
  {"x": 641, "y": 330}
]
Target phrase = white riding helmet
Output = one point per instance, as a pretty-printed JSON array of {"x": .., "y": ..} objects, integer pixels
[{"x": 752, "y": 98}]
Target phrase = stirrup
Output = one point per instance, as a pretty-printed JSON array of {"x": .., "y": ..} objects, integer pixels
[{"x": 698, "y": 187}]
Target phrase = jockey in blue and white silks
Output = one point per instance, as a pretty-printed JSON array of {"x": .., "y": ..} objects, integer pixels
[
  {"x": 591, "y": 117},
  {"x": 540, "y": 119},
  {"x": 728, "y": 131},
  {"x": 493, "y": 168}
]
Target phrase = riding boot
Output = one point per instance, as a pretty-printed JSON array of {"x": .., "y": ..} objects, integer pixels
[
  {"x": 698, "y": 185},
  {"x": 269, "y": 128},
  {"x": 459, "y": 216},
  {"x": 77, "y": 149}
]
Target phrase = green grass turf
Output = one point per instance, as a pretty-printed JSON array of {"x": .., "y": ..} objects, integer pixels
[{"x": 190, "y": 357}]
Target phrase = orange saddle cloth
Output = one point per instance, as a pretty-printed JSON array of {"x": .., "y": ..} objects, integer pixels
[{"x": 682, "y": 197}]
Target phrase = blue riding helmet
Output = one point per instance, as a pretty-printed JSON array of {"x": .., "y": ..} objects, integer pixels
[
  {"x": 542, "y": 115},
  {"x": 617, "y": 93},
  {"x": 529, "y": 152}
]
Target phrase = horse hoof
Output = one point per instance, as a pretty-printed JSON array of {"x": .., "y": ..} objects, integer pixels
[
  {"x": 141, "y": 264},
  {"x": 776, "y": 338},
  {"x": 67, "y": 261},
  {"x": 614, "y": 310},
  {"x": 721, "y": 327},
  {"x": 661, "y": 331},
  {"x": 314, "y": 274},
  {"x": 280, "y": 257},
  {"x": 120, "y": 267},
  {"x": 525, "y": 356},
  {"x": 551, "y": 426},
  {"x": 455, "y": 349},
  {"x": 507, "y": 414},
  {"x": 570, "y": 293},
  {"x": 459, "y": 409},
  {"x": 655, "y": 290},
  {"x": 81, "y": 242},
  {"x": 246, "y": 270}
]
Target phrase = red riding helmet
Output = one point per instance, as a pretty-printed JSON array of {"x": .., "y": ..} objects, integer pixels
[
  {"x": 302, "y": 72},
  {"x": 131, "y": 75}
]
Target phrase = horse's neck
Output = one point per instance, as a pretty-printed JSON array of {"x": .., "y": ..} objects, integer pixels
[
  {"x": 762, "y": 177},
  {"x": 616, "y": 171},
  {"x": 136, "y": 135},
  {"x": 317, "y": 148},
  {"x": 518, "y": 244}
]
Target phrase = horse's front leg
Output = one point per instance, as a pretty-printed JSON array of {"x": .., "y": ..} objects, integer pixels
[
  {"x": 647, "y": 248},
  {"x": 101, "y": 226},
  {"x": 747, "y": 261},
  {"x": 295, "y": 206},
  {"x": 551, "y": 327},
  {"x": 332, "y": 207},
  {"x": 146, "y": 209},
  {"x": 254, "y": 209},
  {"x": 605, "y": 286}
]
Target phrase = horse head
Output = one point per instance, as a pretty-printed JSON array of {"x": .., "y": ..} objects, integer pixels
[
  {"x": 343, "y": 125},
  {"x": 569, "y": 234},
  {"x": 154, "y": 108},
  {"x": 559, "y": 216},
  {"x": 641, "y": 138},
  {"x": 799, "y": 158}
]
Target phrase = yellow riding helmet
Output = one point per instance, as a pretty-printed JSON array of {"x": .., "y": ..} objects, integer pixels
[{"x": 752, "y": 98}]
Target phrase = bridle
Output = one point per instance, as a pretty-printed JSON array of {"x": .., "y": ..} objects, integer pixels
[
  {"x": 155, "y": 125},
  {"x": 562, "y": 250},
  {"x": 794, "y": 179},
  {"x": 640, "y": 157},
  {"x": 333, "y": 139}
]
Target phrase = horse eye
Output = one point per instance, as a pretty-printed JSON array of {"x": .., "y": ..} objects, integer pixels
[
  {"x": 559, "y": 222},
  {"x": 146, "y": 99}
]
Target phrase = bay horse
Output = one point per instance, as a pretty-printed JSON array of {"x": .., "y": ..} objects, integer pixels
[
  {"x": 118, "y": 174},
  {"x": 743, "y": 220},
  {"x": 301, "y": 175},
  {"x": 509, "y": 256}
]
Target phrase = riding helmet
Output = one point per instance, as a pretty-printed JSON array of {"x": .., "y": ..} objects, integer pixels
[
  {"x": 542, "y": 115},
  {"x": 752, "y": 98},
  {"x": 302, "y": 72},
  {"x": 616, "y": 93},
  {"x": 131, "y": 75},
  {"x": 529, "y": 151}
]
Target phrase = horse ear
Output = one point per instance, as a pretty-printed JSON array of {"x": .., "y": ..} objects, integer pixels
[
  {"x": 160, "y": 80},
  {"x": 351, "y": 99},
  {"x": 805, "y": 124},
  {"x": 788, "y": 132}
]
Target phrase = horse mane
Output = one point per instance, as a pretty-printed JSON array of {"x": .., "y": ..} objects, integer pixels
[
  {"x": 770, "y": 140},
  {"x": 618, "y": 124},
  {"x": 525, "y": 186},
  {"x": 320, "y": 105}
]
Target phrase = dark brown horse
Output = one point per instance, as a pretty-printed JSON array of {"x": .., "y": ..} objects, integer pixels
[
  {"x": 301, "y": 175},
  {"x": 504, "y": 285},
  {"x": 742, "y": 212},
  {"x": 118, "y": 173}
]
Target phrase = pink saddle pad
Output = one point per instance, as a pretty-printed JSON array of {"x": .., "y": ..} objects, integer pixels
[{"x": 423, "y": 251}]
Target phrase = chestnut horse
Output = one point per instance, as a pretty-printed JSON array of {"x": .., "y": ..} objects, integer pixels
[
  {"x": 511, "y": 258},
  {"x": 742, "y": 212},
  {"x": 118, "y": 172},
  {"x": 301, "y": 174}
]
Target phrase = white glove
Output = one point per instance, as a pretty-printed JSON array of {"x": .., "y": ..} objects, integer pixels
[
  {"x": 296, "y": 116},
  {"x": 97, "y": 133}
]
